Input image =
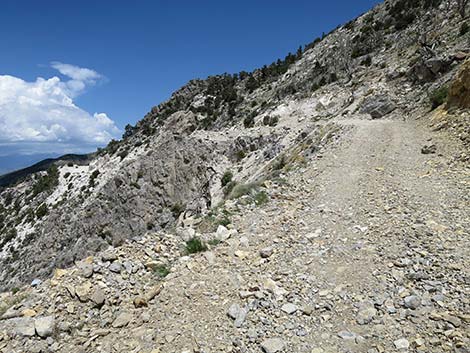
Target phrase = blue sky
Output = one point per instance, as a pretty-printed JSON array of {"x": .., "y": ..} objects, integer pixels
[{"x": 141, "y": 51}]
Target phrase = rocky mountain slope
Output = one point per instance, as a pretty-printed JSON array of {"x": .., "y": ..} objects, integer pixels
[{"x": 319, "y": 204}]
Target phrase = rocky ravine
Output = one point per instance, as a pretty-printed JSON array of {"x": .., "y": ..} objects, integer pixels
[{"x": 342, "y": 225}]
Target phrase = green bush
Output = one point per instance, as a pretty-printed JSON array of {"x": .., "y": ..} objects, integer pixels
[
  {"x": 93, "y": 176},
  {"x": 47, "y": 182},
  {"x": 161, "y": 270},
  {"x": 41, "y": 211},
  {"x": 229, "y": 187},
  {"x": 464, "y": 28},
  {"x": 261, "y": 198},
  {"x": 226, "y": 178},
  {"x": 249, "y": 121},
  {"x": 195, "y": 245},
  {"x": 177, "y": 209},
  {"x": 438, "y": 97}
]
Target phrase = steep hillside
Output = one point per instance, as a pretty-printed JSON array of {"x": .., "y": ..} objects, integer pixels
[
  {"x": 167, "y": 171},
  {"x": 320, "y": 204}
]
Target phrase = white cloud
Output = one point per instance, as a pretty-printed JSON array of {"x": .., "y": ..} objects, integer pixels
[{"x": 42, "y": 114}]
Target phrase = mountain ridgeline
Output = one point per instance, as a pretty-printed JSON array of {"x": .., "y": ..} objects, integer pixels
[{"x": 223, "y": 137}]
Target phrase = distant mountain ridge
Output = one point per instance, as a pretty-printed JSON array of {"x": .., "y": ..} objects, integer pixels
[{"x": 11, "y": 178}]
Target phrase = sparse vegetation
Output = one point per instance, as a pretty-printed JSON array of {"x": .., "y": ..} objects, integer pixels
[
  {"x": 195, "y": 245},
  {"x": 46, "y": 183},
  {"x": 161, "y": 270},
  {"x": 93, "y": 176},
  {"x": 41, "y": 211},
  {"x": 226, "y": 178},
  {"x": 261, "y": 198},
  {"x": 177, "y": 209},
  {"x": 464, "y": 28},
  {"x": 438, "y": 97}
]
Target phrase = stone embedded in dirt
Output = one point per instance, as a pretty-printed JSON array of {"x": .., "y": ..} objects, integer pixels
[
  {"x": 401, "y": 344},
  {"x": 44, "y": 326},
  {"x": 266, "y": 252},
  {"x": 83, "y": 291},
  {"x": 109, "y": 256},
  {"x": 233, "y": 311},
  {"x": 412, "y": 302},
  {"x": 25, "y": 327},
  {"x": 122, "y": 319},
  {"x": 273, "y": 345},
  {"x": 347, "y": 335},
  {"x": 366, "y": 315},
  {"x": 98, "y": 297},
  {"x": 289, "y": 308},
  {"x": 140, "y": 302},
  {"x": 428, "y": 149},
  {"x": 86, "y": 269},
  {"x": 115, "y": 267},
  {"x": 36, "y": 282}
]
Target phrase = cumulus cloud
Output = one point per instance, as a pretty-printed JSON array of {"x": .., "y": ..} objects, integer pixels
[{"x": 41, "y": 116}]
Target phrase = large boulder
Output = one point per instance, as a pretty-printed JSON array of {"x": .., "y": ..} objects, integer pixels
[
  {"x": 428, "y": 70},
  {"x": 378, "y": 106},
  {"x": 459, "y": 90}
]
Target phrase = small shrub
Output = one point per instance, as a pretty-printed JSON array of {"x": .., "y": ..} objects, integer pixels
[
  {"x": 226, "y": 178},
  {"x": 249, "y": 121},
  {"x": 93, "y": 176},
  {"x": 367, "y": 61},
  {"x": 240, "y": 190},
  {"x": 177, "y": 209},
  {"x": 261, "y": 198},
  {"x": 240, "y": 155},
  {"x": 41, "y": 211},
  {"x": 195, "y": 245},
  {"x": 161, "y": 270},
  {"x": 123, "y": 154},
  {"x": 47, "y": 182},
  {"x": 66, "y": 175},
  {"x": 214, "y": 242},
  {"x": 229, "y": 187},
  {"x": 438, "y": 97},
  {"x": 464, "y": 28}
]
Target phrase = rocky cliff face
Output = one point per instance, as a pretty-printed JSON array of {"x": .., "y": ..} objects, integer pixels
[{"x": 167, "y": 170}]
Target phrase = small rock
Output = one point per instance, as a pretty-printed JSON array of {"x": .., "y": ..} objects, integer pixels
[
  {"x": 233, "y": 311},
  {"x": 289, "y": 308},
  {"x": 122, "y": 320},
  {"x": 266, "y": 252},
  {"x": 140, "y": 302},
  {"x": 86, "y": 270},
  {"x": 346, "y": 335},
  {"x": 307, "y": 310},
  {"x": 44, "y": 326},
  {"x": 428, "y": 149},
  {"x": 98, "y": 297},
  {"x": 25, "y": 327},
  {"x": 401, "y": 344},
  {"x": 115, "y": 267},
  {"x": 273, "y": 345},
  {"x": 412, "y": 302},
  {"x": 36, "y": 282},
  {"x": 366, "y": 315},
  {"x": 83, "y": 291},
  {"x": 108, "y": 256}
]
